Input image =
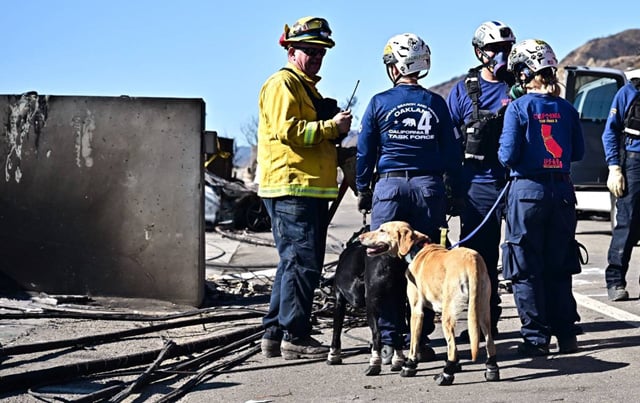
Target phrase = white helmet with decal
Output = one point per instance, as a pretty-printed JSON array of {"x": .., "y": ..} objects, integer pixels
[
  {"x": 492, "y": 32},
  {"x": 533, "y": 54},
  {"x": 409, "y": 53}
]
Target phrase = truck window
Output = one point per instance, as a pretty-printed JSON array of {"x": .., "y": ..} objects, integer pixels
[{"x": 593, "y": 99}]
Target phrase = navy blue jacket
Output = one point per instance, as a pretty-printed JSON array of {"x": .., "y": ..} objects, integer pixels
[
  {"x": 541, "y": 134},
  {"x": 408, "y": 128},
  {"x": 612, "y": 134}
]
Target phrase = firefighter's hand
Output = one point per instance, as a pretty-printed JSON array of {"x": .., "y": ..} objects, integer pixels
[
  {"x": 364, "y": 201},
  {"x": 615, "y": 181},
  {"x": 455, "y": 205},
  {"x": 343, "y": 121}
]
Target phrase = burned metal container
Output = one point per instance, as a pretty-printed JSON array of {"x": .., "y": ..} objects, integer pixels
[{"x": 103, "y": 195}]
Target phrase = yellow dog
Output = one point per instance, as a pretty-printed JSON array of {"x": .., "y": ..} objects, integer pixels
[{"x": 446, "y": 281}]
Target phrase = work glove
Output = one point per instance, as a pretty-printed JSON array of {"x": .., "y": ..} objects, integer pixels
[
  {"x": 455, "y": 205},
  {"x": 615, "y": 181},
  {"x": 365, "y": 198}
]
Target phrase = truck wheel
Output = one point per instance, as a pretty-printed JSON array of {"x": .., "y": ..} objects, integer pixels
[{"x": 250, "y": 213}]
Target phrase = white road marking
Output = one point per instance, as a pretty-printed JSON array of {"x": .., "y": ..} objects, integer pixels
[{"x": 615, "y": 313}]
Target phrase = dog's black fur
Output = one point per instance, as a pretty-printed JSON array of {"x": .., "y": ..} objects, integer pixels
[{"x": 365, "y": 282}]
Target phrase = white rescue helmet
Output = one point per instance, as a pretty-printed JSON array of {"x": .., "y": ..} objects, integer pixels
[
  {"x": 492, "y": 32},
  {"x": 533, "y": 55},
  {"x": 409, "y": 53}
]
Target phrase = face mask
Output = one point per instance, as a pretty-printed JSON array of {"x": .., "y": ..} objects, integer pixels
[{"x": 499, "y": 64}]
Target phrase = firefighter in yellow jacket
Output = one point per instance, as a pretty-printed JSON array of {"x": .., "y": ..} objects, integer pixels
[{"x": 297, "y": 134}]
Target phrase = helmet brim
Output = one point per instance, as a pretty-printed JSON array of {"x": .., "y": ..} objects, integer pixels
[{"x": 326, "y": 42}]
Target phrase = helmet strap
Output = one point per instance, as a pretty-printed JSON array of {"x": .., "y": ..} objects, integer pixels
[
  {"x": 390, "y": 68},
  {"x": 482, "y": 56}
]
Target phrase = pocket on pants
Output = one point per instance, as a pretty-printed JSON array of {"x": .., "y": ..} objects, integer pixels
[
  {"x": 291, "y": 224},
  {"x": 572, "y": 258},
  {"x": 386, "y": 194},
  {"x": 514, "y": 262}
]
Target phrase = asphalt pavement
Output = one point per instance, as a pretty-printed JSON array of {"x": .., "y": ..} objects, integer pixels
[{"x": 603, "y": 370}]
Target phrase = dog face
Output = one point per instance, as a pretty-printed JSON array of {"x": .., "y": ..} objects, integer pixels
[{"x": 395, "y": 238}]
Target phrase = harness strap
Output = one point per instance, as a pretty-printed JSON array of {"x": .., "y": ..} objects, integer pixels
[
  {"x": 472, "y": 84},
  {"x": 314, "y": 98}
]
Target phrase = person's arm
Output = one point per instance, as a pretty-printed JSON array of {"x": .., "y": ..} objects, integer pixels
[
  {"x": 291, "y": 114},
  {"x": 367, "y": 149},
  {"x": 612, "y": 134},
  {"x": 455, "y": 106},
  {"x": 611, "y": 139},
  {"x": 450, "y": 148},
  {"x": 510, "y": 139}
]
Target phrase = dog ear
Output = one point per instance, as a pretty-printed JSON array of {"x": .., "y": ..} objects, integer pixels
[
  {"x": 419, "y": 236},
  {"x": 405, "y": 241}
]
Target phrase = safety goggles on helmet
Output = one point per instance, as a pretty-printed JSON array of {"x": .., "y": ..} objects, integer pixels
[
  {"x": 308, "y": 30},
  {"x": 492, "y": 32},
  {"x": 409, "y": 53}
]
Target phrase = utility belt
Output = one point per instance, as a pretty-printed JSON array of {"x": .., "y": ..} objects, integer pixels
[
  {"x": 408, "y": 174},
  {"x": 547, "y": 177},
  {"x": 632, "y": 154}
]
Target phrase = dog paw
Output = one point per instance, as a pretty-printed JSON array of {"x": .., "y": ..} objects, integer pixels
[
  {"x": 373, "y": 370},
  {"x": 334, "y": 361},
  {"x": 443, "y": 379},
  {"x": 396, "y": 366},
  {"x": 492, "y": 374},
  {"x": 408, "y": 371}
]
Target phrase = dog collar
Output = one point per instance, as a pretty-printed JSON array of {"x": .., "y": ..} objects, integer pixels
[{"x": 417, "y": 247}]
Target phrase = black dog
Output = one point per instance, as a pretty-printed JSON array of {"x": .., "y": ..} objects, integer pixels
[{"x": 367, "y": 282}]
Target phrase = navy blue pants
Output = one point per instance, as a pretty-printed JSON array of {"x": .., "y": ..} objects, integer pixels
[
  {"x": 420, "y": 201},
  {"x": 539, "y": 256},
  {"x": 627, "y": 230},
  {"x": 299, "y": 226},
  {"x": 486, "y": 241}
]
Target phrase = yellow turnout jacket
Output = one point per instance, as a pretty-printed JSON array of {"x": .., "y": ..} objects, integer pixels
[{"x": 295, "y": 156}]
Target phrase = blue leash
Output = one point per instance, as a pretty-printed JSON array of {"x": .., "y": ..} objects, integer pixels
[{"x": 500, "y": 196}]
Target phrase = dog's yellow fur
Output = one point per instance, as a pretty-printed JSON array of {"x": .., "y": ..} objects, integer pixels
[{"x": 445, "y": 280}]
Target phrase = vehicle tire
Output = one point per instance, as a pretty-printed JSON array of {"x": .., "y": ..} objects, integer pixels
[{"x": 250, "y": 213}]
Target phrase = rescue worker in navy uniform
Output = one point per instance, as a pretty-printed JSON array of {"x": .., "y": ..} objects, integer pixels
[
  {"x": 474, "y": 104},
  {"x": 541, "y": 137},
  {"x": 624, "y": 184},
  {"x": 407, "y": 140}
]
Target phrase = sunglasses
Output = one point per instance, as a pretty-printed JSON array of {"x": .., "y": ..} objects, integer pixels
[{"x": 311, "y": 52}]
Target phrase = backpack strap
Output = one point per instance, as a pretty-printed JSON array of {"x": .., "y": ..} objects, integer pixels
[
  {"x": 314, "y": 98},
  {"x": 632, "y": 115},
  {"x": 472, "y": 84}
]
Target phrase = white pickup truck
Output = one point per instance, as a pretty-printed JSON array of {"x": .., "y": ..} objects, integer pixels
[{"x": 591, "y": 90}]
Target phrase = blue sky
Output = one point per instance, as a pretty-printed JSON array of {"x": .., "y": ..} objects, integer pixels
[{"x": 222, "y": 51}]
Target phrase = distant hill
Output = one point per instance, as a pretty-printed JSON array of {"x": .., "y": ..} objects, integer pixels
[{"x": 620, "y": 51}]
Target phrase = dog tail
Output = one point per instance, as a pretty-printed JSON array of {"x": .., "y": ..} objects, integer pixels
[{"x": 475, "y": 304}]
